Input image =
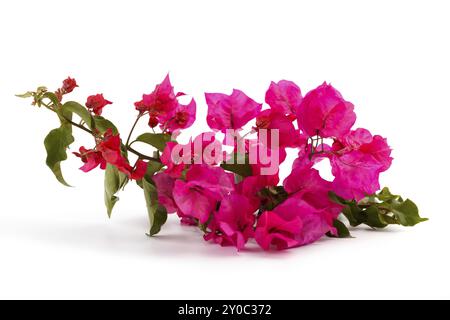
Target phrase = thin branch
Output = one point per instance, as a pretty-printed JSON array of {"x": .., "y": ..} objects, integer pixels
[
  {"x": 142, "y": 156},
  {"x": 78, "y": 126},
  {"x": 132, "y": 129}
]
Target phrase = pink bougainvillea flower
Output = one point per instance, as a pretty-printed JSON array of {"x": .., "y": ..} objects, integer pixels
[
  {"x": 293, "y": 223},
  {"x": 278, "y": 228},
  {"x": 182, "y": 117},
  {"x": 163, "y": 108},
  {"x": 164, "y": 185},
  {"x": 230, "y": 111},
  {"x": 96, "y": 103},
  {"x": 306, "y": 184},
  {"x": 204, "y": 149},
  {"x": 233, "y": 224},
  {"x": 264, "y": 160},
  {"x": 376, "y": 146},
  {"x": 153, "y": 121},
  {"x": 91, "y": 159},
  {"x": 353, "y": 140},
  {"x": 69, "y": 85},
  {"x": 110, "y": 149},
  {"x": 251, "y": 186},
  {"x": 195, "y": 201},
  {"x": 175, "y": 167},
  {"x": 270, "y": 120},
  {"x": 161, "y": 101},
  {"x": 215, "y": 179},
  {"x": 324, "y": 112},
  {"x": 357, "y": 161},
  {"x": 305, "y": 180},
  {"x": 139, "y": 171},
  {"x": 284, "y": 97},
  {"x": 197, "y": 197}
]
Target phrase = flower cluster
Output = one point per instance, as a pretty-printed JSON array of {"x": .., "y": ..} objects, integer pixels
[{"x": 231, "y": 190}]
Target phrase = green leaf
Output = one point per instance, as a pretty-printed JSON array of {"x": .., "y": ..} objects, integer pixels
[
  {"x": 157, "y": 140},
  {"x": 354, "y": 214},
  {"x": 375, "y": 218},
  {"x": 123, "y": 180},
  {"x": 160, "y": 218},
  {"x": 342, "y": 230},
  {"x": 41, "y": 90},
  {"x": 157, "y": 214},
  {"x": 240, "y": 165},
  {"x": 102, "y": 124},
  {"x": 336, "y": 199},
  {"x": 25, "y": 95},
  {"x": 56, "y": 143},
  {"x": 114, "y": 181},
  {"x": 385, "y": 195},
  {"x": 153, "y": 167},
  {"x": 112, "y": 186},
  {"x": 379, "y": 210},
  {"x": 52, "y": 97},
  {"x": 80, "y": 111},
  {"x": 272, "y": 197},
  {"x": 407, "y": 213},
  {"x": 244, "y": 170}
]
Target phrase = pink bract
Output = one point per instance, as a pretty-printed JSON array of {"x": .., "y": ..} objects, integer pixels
[
  {"x": 291, "y": 224},
  {"x": 325, "y": 113},
  {"x": 233, "y": 224},
  {"x": 270, "y": 120},
  {"x": 284, "y": 97},
  {"x": 198, "y": 196},
  {"x": 181, "y": 118},
  {"x": 230, "y": 111},
  {"x": 96, "y": 103},
  {"x": 357, "y": 161},
  {"x": 164, "y": 185}
]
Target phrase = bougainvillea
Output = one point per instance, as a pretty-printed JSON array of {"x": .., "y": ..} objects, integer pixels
[{"x": 236, "y": 196}]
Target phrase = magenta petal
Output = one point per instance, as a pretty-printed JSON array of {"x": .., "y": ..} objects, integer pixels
[
  {"x": 356, "y": 175},
  {"x": 230, "y": 112},
  {"x": 90, "y": 164},
  {"x": 214, "y": 179},
  {"x": 324, "y": 112},
  {"x": 233, "y": 224},
  {"x": 302, "y": 179},
  {"x": 174, "y": 169},
  {"x": 182, "y": 117},
  {"x": 192, "y": 201},
  {"x": 357, "y": 161},
  {"x": 284, "y": 97},
  {"x": 164, "y": 185},
  {"x": 270, "y": 120},
  {"x": 314, "y": 223},
  {"x": 293, "y": 223},
  {"x": 140, "y": 170},
  {"x": 273, "y": 229}
]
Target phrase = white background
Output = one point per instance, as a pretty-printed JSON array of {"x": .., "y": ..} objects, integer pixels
[{"x": 390, "y": 58}]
